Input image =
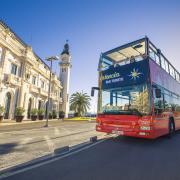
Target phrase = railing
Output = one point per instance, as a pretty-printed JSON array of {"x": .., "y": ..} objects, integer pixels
[
  {"x": 13, "y": 79},
  {"x": 34, "y": 89},
  {"x": 56, "y": 80},
  {"x": 54, "y": 96},
  {"x": 43, "y": 92}
]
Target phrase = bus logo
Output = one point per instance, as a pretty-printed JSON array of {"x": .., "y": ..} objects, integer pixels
[
  {"x": 110, "y": 76},
  {"x": 135, "y": 74}
]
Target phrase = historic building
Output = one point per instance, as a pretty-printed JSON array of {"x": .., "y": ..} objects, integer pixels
[{"x": 24, "y": 77}]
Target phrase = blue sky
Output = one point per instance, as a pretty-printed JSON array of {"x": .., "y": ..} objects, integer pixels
[{"x": 92, "y": 27}]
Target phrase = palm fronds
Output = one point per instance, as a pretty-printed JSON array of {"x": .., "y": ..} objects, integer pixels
[{"x": 80, "y": 103}]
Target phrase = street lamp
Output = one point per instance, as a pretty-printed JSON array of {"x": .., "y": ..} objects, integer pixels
[{"x": 51, "y": 59}]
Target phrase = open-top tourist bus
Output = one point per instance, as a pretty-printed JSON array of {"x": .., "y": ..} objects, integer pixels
[{"x": 139, "y": 91}]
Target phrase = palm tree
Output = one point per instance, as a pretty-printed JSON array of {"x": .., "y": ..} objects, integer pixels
[{"x": 80, "y": 103}]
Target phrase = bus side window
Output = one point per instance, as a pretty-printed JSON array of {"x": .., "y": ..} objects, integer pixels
[
  {"x": 167, "y": 102},
  {"x": 178, "y": 105}
]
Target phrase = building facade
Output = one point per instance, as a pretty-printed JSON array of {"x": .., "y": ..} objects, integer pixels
[{"x": 24, "y": 77}]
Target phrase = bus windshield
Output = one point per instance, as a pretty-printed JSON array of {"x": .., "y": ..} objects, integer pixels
[{"x": 126, "y": 100}]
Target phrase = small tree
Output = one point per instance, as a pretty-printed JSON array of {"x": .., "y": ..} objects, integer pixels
[
  {"x": 19, "y": 111},
  {"x": 34, "y": 112},
  {"x": 41, "y": 112},
  {"x": 19, "y": 114}
]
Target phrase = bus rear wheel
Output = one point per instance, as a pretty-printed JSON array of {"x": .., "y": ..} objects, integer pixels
[{"x": 171, "y": 127}]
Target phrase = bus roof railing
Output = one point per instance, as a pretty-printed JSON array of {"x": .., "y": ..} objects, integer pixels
[{"x": 110, "y": 55}]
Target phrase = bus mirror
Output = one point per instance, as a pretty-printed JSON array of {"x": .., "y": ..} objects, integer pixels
[
  {"x": 158, "y": 93},
  {"x": 92, "y": 90}
]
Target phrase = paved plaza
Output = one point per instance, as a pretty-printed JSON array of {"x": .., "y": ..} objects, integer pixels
[{"x": 27, "y": 141}]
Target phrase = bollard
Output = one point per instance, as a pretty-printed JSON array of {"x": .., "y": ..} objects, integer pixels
[{"x": 93, "y": 139}]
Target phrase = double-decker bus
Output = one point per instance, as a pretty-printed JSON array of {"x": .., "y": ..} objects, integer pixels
[{"x": 139, "y": 91}]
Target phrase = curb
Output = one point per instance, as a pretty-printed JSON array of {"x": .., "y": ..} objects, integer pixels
[{"x": 61, "y": 150}]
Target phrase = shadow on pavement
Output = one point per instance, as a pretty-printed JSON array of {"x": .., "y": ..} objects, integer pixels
[
  {"x": 7, "y": 148},
  {"x": 10, "y": 147}
]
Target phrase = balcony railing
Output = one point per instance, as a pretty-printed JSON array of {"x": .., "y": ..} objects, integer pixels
[
  {"x": 55, "y": 97},
  {"x": 34, "y": 89},
  {"x": 43, "y": 92},
  {"x": 13, "y": 80}
]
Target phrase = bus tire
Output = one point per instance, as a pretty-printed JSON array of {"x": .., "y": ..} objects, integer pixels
[{"x": 171, "y": 127}]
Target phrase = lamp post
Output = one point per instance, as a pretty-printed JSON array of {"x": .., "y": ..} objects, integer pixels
[{"x": 51, "y": 59}]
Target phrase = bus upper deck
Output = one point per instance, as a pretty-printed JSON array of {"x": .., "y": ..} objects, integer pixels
[{"x": 137, "y": 51}]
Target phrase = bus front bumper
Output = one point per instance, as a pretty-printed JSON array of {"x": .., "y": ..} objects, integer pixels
[{"x": 125, "y": 132}]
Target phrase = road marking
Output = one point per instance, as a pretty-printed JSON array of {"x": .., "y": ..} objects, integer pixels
[
  {"x": 49, "y": 143},
  {"x": 50, "y": 161}
]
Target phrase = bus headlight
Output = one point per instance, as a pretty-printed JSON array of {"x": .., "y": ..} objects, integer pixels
[
  {"x": 98, "y": 124},
  {"x": 145, "y": 128}
]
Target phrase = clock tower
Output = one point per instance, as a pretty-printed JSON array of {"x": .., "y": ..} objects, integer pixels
[{"x": 65, "y": 67}]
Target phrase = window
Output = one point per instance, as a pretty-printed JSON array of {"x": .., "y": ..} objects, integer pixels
[
  {"x": 166, "y": 102},
  {"x": 42, "y": 84},
  {"x": 171, "y": 102},
  {"x": 126, "y": 100},
  {"x": 27, "y": 76},
  {"x": 13, "y": 69},
  {"x": 34, "y": 80}
]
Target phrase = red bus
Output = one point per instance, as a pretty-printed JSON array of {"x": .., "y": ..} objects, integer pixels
[{"x": 138, "y": 93}]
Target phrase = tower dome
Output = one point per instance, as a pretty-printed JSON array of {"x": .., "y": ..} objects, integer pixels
[{"x": 66, "y": 49}]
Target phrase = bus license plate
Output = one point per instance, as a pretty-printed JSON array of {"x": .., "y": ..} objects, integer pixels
[{"x": 117, "y": 132}]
